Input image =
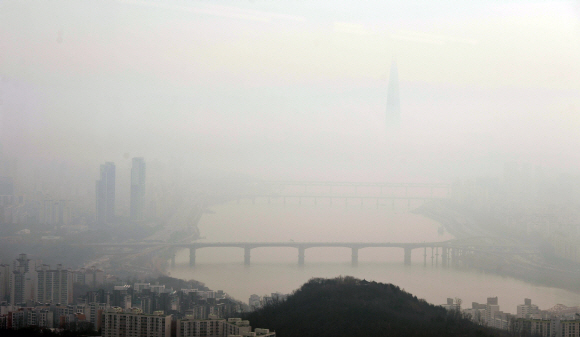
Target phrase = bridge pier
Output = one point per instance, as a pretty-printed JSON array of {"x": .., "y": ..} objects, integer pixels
[
  {"x": 191, "y": 256},
  {"x": 425, "y": 257},
  {"x": 247, "y": 256},
  {"x": 451, "y": 257},
  {"x": 407, "y": 256},
  {"x": 455, "y": 257},
  {"x": 301, "y": 256},
  {"x": 354, "y": 258},
  {"x": 173, "y": 260},
  {"x": 436, "y": 256},
  {"x": 444, "y": 256}
]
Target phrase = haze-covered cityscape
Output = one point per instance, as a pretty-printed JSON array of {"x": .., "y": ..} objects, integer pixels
[{"x": 289, "y": 168}]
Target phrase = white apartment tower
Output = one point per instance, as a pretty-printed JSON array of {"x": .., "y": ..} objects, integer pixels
[
  {"x": 54, "y": 286},
  {"x": 491, "y": 309},
  {"x": 527, "y": 310}
]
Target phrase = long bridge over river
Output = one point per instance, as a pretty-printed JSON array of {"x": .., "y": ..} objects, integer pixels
[
  {"x": 337, "y": 191},
  {"x": 445, "y": 251}
]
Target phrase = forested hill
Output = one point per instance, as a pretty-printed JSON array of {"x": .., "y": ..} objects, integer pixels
[{"x": 346, "y": 306}]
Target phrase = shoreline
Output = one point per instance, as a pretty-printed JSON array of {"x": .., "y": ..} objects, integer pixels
[{"x": 541, "y": 269}]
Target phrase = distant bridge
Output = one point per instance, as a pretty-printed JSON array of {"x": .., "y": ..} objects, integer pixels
[
  {"x": 331, "y": 198},
  {"x": 281, "y": 190},
  {"x": 351, "y": 183},
  {"x": 449, "y": 249}
]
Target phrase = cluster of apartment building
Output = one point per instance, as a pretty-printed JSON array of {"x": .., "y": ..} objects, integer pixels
[
  {"x": 197, "y": 303},
  {"x": 557, "y": 321},
  {"x": 72, "y": 317},
  {"x": 133, "y": 322},
  {"x": 256, "y": 302},
  {"x": 116, "y": 322},
  {"x": 88, "y": 311},
  {"x": 26, "y": 281}
]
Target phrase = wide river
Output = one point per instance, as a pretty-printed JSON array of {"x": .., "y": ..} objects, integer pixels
[{"x": 276, "y": 269}]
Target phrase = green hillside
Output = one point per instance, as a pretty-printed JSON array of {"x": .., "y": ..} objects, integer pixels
[{"x": 346, "y": 306}]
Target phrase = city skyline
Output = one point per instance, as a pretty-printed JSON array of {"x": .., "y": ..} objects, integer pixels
[{"x": 370, "y": 159}]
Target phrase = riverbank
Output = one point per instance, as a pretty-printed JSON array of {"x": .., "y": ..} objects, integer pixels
[{"x": 541, "y": 269}]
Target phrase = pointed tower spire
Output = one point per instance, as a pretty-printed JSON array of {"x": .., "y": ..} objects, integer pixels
[{"x": 393, "y": 104}]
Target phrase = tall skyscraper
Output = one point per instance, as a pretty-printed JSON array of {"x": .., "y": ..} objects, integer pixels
[
  {"x": 393, "y": 104},
  {"x": 105, "y": 189},
  {"x": 137, "y": 188}
]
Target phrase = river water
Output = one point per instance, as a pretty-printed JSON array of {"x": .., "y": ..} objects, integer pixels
[{"x": 276, "y": 269}]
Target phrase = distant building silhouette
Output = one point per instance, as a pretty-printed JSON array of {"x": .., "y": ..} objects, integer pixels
[
  {"x": 105, "y": 189},
  {"x": 137, "y": 188},
  {"x": 6, "y": 186},
  {"x": 393, "y": 104}
]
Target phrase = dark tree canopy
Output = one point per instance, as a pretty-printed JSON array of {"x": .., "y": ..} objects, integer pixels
[{"x": 346, "y": 306}]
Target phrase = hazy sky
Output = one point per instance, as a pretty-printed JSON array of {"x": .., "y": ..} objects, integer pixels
[{"x": 292, "y": 89}]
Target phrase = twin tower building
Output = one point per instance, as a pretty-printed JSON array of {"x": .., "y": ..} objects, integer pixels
[{"x": 105, "y": 188}]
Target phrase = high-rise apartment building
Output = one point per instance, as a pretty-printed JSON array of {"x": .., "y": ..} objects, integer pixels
[
  {"x": 55, "y": 212},
  {"x": 4, "y": 282},
  {"x": 491, "y": 308},
  {"x": 137, "y": 188},
  {"x": 105, "y": 188},
  {"x": 92, "y": 277},
  {"x": 135, "y": 324},
  {"x": 94, "y": 314},
  {"x": 22, "y": 279},
  {"x": 527, "y": 310},
  {"x": 54, "y": 286},
  {"x": 217, "y": 327}
]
